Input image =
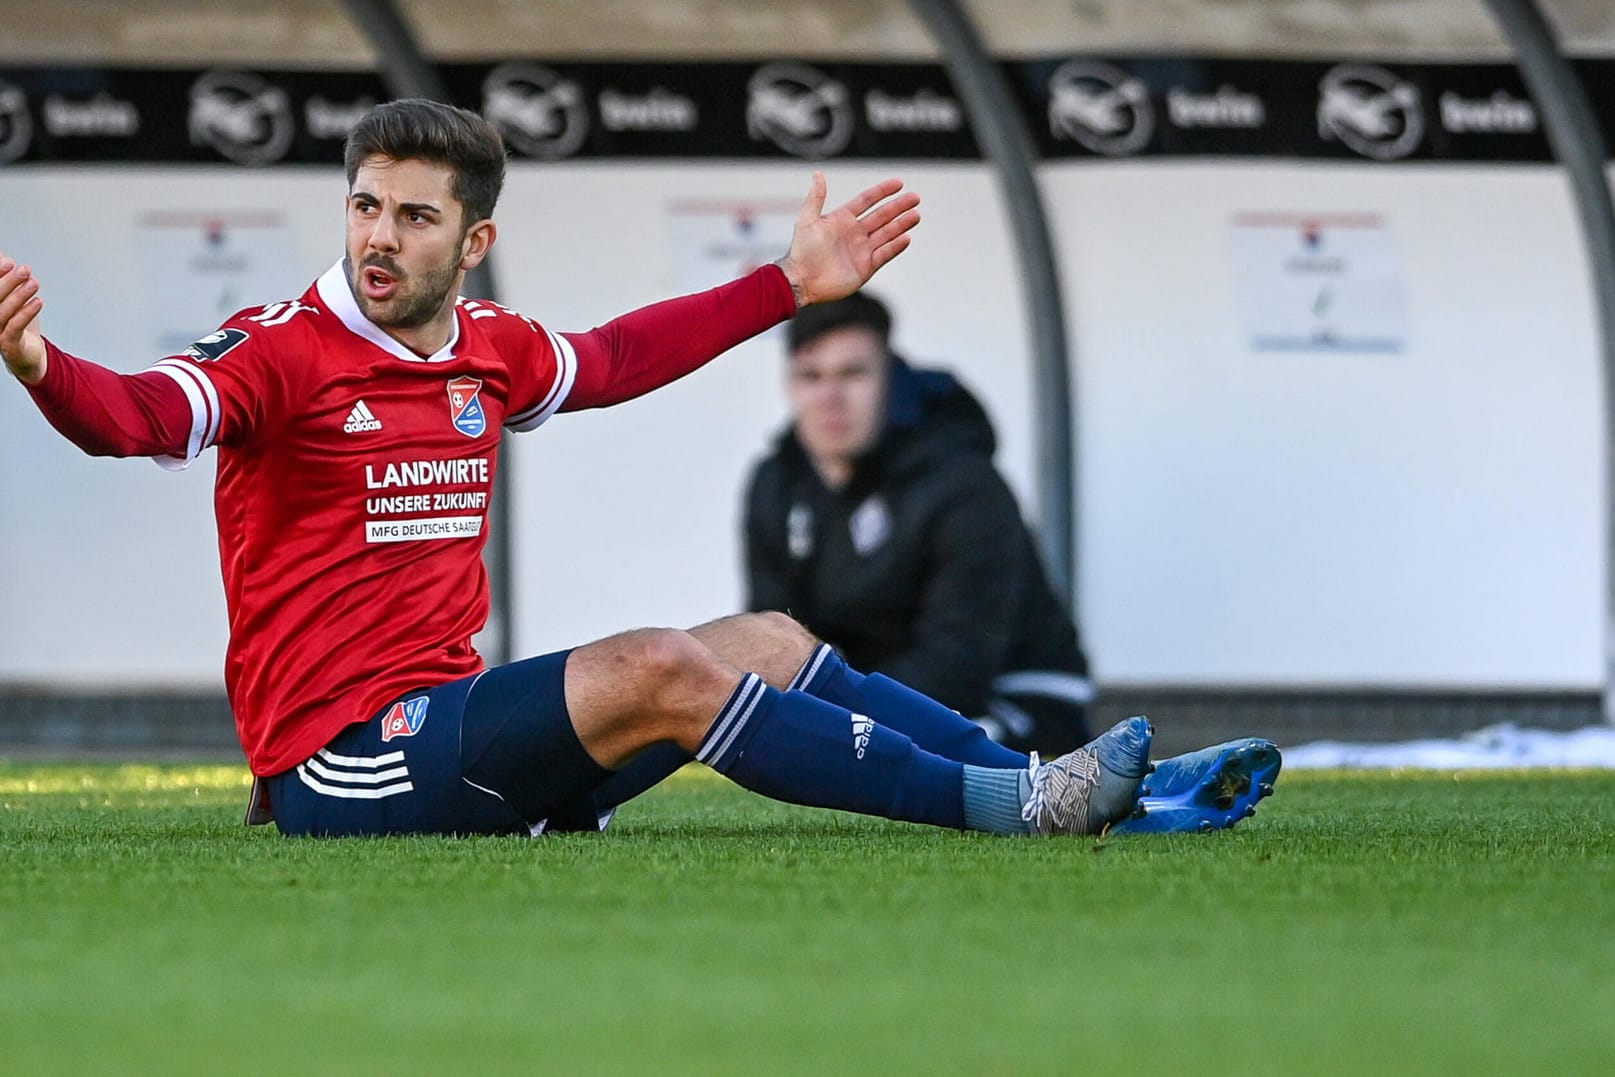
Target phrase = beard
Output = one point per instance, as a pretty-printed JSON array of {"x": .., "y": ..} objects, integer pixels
[{"x": 415, "y": 302}]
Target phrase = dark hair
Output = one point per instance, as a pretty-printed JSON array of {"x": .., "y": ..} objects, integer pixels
[
  {"x": 416, "y": 129},
  {"x": 858, "y": 309}
]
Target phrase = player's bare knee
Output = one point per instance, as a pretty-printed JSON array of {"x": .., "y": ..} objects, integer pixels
[
  {"x": 788, "y": 633},
  {"x": 661, "y": 653},
  {"x": 783, "y": 626},
  {"x": 678, "y": 675}
]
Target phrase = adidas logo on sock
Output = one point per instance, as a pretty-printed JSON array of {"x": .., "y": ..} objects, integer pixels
[
  {"x": 360, "y": 419},
  {"x": 861, "y": 728}
]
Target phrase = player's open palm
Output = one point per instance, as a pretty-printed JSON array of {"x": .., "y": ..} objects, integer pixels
[
  {"x": 834, "y": 254},
  {"x": 20, "y": 343}
]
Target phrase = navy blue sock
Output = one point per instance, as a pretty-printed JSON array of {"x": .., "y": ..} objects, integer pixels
[
  {"x": 793, "y": 747},
  {"x": 648, "y": 768},
  {"x": 935, "y": 728}
]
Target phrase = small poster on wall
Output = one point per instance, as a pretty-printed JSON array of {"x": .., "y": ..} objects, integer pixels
[
  {"x": 714, "y": 241},
  {"x": 201, "y": 267},
  {"x": 1318, "y": 283}
]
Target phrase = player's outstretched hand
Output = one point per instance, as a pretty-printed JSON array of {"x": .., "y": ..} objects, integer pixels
[
  {"x": 834, "y": 254},
  {"x": 21, "y": 346}
]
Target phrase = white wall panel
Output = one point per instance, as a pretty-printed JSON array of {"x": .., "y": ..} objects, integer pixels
[{"x": 1427, "y": 518}]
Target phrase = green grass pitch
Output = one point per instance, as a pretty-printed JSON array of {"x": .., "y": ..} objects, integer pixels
[{"x": 1403, "y": 923}]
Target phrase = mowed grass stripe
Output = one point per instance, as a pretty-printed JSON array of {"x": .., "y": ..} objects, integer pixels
[{"x": 1415, "y": 922}]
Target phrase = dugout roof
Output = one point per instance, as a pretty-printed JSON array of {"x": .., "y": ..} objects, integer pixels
[{"x": 320, "y": 32}]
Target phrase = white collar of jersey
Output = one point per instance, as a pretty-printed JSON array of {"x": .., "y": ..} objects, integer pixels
[{"x": 333, "y": 288}]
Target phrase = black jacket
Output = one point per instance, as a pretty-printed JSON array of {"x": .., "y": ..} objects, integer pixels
[{"x": 920, "y": 567}]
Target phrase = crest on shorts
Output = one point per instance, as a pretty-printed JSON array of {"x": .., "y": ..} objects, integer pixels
[
  {"x": 465, "y": 406},
  {"x": 404, "y": 718}
]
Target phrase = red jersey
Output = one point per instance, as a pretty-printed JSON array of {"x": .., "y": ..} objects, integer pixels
[{"x": 354, "y": 476}]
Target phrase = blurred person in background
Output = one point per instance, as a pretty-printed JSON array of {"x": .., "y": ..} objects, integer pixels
[{"x": 880, "y": 522}]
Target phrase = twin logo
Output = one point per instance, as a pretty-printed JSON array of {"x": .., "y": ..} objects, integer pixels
[
  {"x": 244, "y": 118},
  {"x": 405, "y": 718},
  {"x": 540, "y": 112},
  {"x": 1375, "y": 113},
  {"x": 16, "y": 127}
]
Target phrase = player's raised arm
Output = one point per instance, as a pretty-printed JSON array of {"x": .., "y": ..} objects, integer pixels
[
  {"x": 102, "y": 412},
  {"x": 21, "y": 346},
  {"x": 834, "y": 254}
]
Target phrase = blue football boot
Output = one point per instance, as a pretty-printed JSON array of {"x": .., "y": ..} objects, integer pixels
[{"x": 1211, "y": 789}]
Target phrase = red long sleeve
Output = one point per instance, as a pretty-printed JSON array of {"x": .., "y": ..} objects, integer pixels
[
  {"x": 658, "y": 344},
  {"x": 110, "y": 414}
]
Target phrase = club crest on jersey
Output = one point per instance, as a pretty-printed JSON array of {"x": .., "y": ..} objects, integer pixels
[
  {"x": 404, "y": 719},
  {"x": 214, "y": 345},
  {"x": 465, "y": 407}
]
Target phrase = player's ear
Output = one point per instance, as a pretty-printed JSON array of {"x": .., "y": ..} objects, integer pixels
[{"x": 476, "y": 244}]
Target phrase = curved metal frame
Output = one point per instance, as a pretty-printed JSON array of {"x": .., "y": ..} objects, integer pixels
[
  {"x": 1008, "y": 144},
  {"x": 1572, "y": 129}
]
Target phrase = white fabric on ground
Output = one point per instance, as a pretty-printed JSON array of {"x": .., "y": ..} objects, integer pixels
[{"x": 1504, "y": 745}]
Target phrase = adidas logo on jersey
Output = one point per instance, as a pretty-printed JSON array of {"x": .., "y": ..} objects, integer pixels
[{"x": 360, "y": 419}]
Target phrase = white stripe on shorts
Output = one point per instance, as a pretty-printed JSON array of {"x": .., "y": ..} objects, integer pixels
[
  {"x": 381, "y": 777},
  {"x": 351, "y": 794},
  {"x": 361, "y": 762}
]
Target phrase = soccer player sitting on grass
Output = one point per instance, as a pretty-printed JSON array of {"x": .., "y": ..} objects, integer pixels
[{"x": 358, "y": 428}]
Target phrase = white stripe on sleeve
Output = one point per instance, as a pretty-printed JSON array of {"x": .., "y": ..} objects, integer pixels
[
  {"x": 204, "y": 401},
  {"x": 566, "y": 372}
]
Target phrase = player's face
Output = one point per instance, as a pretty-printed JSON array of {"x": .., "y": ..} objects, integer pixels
[
  {"x": 406, "y": 242},
  {"x": 836, "y": 383}
]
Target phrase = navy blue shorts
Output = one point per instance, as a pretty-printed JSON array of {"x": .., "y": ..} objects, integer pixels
[{"x": 493, "y": 753}]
